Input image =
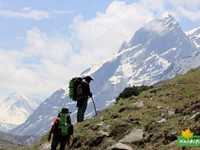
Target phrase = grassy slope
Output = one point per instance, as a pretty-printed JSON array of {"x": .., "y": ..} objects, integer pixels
[{"x": 180, "y": 95}]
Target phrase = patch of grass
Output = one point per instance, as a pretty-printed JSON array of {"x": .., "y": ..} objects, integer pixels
[{"x": 119, "y": 128}]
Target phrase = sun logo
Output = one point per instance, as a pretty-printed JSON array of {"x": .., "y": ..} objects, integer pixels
[{"x": 187, "y": 133}]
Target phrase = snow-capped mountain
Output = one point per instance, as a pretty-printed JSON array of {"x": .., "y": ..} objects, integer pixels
[
  {"x": 40, "y": 121},
  {"x": 142, "y": 60},
  {"x": 150, "y": 55},
  {"x": 15, "y": 109}
]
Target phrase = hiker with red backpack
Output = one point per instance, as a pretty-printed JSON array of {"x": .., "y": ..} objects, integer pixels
[{"x": 61, "y": 129}]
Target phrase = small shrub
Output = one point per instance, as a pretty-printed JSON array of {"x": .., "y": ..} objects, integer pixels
[{"x": 133, "y": 91}]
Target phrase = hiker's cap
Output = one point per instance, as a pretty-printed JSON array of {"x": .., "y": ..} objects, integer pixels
[
  {"x": 88, "y": 78},
  {"x": 65, "y": 110}
]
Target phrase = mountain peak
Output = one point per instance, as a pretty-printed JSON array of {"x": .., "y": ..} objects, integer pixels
[
  {"x": 164, "y": 26},
  {"x": 168, "y": 21},
  {"x": 167, "y": 15}
]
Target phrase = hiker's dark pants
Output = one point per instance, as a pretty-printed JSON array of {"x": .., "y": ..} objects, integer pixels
[
  {"x": 82, "y": 105},
  {"x": 63, "y": 140}
]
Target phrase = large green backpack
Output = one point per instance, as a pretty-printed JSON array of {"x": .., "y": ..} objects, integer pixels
[
  {"x": 75, "y": 88},
  {"x": 64, "y": 127}
]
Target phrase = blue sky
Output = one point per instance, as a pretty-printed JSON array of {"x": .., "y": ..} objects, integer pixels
[{"x": 45, "y": 43}]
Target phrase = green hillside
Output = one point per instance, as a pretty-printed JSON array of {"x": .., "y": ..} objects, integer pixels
[{"x": 154, "y": 118}]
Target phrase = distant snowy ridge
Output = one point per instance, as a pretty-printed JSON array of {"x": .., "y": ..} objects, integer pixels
[
  {"x": 156, "y": 52},
  {"x": 40, "y": 121},
  {"x": 15, "y": 109},
  {"x": 194, "y": 35}
]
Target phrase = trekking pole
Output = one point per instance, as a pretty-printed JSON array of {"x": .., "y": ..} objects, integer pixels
[{"x": 94, "y": 106}]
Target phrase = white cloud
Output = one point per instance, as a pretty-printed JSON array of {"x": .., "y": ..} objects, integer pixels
[
  {"x": 190, "y": 14},
  {"x": 53, "y": 48},
  {"x": 103, "y": 35},
  {"x": 61, "y": 12},
  {"x": 184, "y": 8},
  {"x": 155, "y": 27},
  {"x": 25, "y": 13},
  {"x": 41, "y": 68},
  {"x": 192, "y": 4}
]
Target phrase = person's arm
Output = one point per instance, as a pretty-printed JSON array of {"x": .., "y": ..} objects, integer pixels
[
  {"x": 88, "y": 90},
  {"x": 68, "y": 119},
  {"x": 52, "y": 129}
]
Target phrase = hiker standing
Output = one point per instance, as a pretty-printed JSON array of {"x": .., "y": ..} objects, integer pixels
[
  {"x": 82, "y": 103},
  {"x": 56, "y": 129}
]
